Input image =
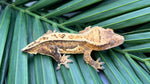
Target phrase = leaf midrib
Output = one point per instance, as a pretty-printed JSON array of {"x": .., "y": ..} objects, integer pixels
[
  {"x": 110, "y": 68},
  {"x": 18, "y": 47},
  {"x": 136, "y": 66},
  {"x": 124, "y": 67},
  {"x": 3, "y": 18}
]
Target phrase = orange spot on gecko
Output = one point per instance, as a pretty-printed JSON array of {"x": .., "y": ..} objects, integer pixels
[
  {"x": 61, "y": 35},
  {"x": 54, "y": 35},
  {"x": 71, "y": 36}
]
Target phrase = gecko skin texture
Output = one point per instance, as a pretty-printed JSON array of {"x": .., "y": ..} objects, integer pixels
[{"x": 54, "y": 44}]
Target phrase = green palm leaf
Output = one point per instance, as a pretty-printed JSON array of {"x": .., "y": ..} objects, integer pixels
[
  {"x": 21, "y": 24},
  {"x": 71, "y": 6},
  {"x": 42, "y": 64},
  {"x": 100, "y": 12},
  {"x": 4, "y": 26},
  {"x": 18, "y": 60},
  {"x": 41, "y": 4}
]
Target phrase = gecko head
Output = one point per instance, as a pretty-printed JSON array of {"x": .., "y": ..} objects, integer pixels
[
  {"x": 112, "y": 39},
  {"x": 104, "y": 38}
]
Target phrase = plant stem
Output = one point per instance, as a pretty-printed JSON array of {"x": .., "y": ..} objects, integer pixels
[
  {"x": 137, "y": 31},
  {"x": 137, "y": 58},
  {"x": 127, "y": 54},
  {"x": 147, "y": 59},
  {"x": 118, "y": 50},
  {"x": 37, "y": 16},
  {"x": 147, "y": 64}
]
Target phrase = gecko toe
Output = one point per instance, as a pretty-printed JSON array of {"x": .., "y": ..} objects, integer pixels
[
  {"x": 97, "y": 70},
  {"x": 58, "y": 67},
  {"x": 66, "y": 65},
  {"x": 98, "y": 60},
  {"x": 102, "y": 63},
  {"x": 70, "y": 61}
]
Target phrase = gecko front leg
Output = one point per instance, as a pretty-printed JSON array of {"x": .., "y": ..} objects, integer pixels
[
  {"x": 54, "y": 53},
  {"x": 62, "y": 60},
  {"x": 88, "y": 59}
]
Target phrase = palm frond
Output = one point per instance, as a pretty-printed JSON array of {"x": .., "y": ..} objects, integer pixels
[
  {"x": 21, "y": 24},
  {"x": 18, "y": 61}
]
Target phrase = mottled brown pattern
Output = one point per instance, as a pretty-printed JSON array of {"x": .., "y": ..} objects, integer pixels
[
  {"x": 62, "y": 35},
  {"x": 45, "y": 38},
  {"x": 54, "y": 35},
  {"x": 54, "y": 44},
  {"x": 70, "y": 36}
]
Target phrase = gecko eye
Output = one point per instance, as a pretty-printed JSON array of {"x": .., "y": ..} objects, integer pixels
[{"x": 111, "y": 42}]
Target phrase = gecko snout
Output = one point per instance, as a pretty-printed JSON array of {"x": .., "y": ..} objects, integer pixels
[{"x": 117, "y": 40}]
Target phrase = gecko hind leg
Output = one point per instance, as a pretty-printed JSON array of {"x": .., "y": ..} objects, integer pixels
[
  {"x": 62, "y": 60},
  {"x": 95, "y": 64}
]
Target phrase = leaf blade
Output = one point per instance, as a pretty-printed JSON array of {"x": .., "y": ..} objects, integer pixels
[
  {"x": 18, "y": 73},
  {"x": 142, "y": 74},
  {"x": 4, "y": 26},
  {"x": 142, "y": 48},
  {"x": 42, "y": 63}
]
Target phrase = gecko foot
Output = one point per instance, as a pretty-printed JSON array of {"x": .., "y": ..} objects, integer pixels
[
  {"x": 97, "y": 65},
  {"x": 64, "y": 60}
]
